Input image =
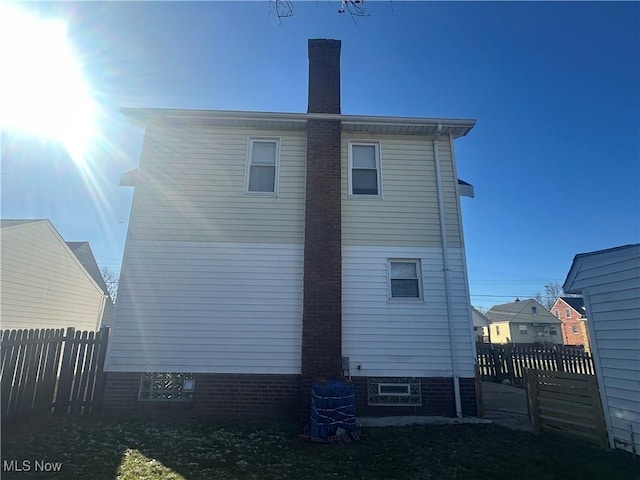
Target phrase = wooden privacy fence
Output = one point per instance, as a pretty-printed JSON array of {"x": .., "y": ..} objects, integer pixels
[
  {"x": 566, "y": 403},
  {"x": 49, "y": 370},
  {"x": 499, "y": 362}
]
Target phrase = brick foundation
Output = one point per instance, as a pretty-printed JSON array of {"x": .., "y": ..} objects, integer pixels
[
  {"x": 219, "y": 395},
  {"x": 248, "y": 395},
  {"x": 437, "y": 399}
]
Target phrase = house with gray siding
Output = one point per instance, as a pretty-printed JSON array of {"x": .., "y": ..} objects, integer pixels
[
  {"x": 46, "y": 282},
  {"x": 269, "y": 250},
  {"x": 609, "y": 282}
]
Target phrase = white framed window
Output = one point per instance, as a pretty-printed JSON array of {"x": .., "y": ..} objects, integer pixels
[
  {"x": 405, "y": 280},
  {"x": 523, "y": 329},
  {"x": 364, "y": 169},
  {"x": 263, "y": 155},
  {"x": 567, "y": 313},
  {"x": 574, "y": 329},
  {"x": 557, "y": 313}
]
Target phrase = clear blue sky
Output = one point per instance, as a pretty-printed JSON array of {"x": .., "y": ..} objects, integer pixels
[{"x": 554, "y": 158}]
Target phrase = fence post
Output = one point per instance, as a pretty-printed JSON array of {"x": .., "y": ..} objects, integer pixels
[
  {"x": 66, "y": 374},
  {"x": 98, "y": 392},
  {"x": 559, "y": 363},
  {"x": 532, "y": 397},
  {"x": 509, "y": 363}
]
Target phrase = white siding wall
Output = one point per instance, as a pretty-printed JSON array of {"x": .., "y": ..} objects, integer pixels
[
  {"x": 394, "y": 338},
  {"x": 610, "y": 283},
  {"x": 208, "y": 307},
  {"x": 42, "y": 284}
]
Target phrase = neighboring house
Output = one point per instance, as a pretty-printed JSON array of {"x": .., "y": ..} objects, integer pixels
[
  {"x": 572, "y": 313},
  {"x": 83, "y": 252},
  {"x": 46, "y": 282},
  {"x": 266, "y": 250},
  {"x": 609, "y": 282},
  {"x": 480, "y": 325},
  {"x": 523, "y": 322}
]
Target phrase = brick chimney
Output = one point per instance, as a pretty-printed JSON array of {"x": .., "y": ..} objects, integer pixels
[
  {"x": 324, "y": 76},
  {"x": 322, "y": 309}
]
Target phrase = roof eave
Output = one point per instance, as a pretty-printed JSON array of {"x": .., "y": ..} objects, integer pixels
[{"x": 372, "y": 124}]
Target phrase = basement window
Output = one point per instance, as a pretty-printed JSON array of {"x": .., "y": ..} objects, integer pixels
[
  {"x": 262, "y": 166},
  {"x": 364, "y": 169},
  {"x": 167, "y": 387},
  {"x": 394, "y": 391}
]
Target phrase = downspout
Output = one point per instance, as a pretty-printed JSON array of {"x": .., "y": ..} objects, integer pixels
[{"x": 447, "y": 280}]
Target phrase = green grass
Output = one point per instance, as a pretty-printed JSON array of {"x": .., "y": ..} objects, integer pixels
[{"x": 103, "y": 447}]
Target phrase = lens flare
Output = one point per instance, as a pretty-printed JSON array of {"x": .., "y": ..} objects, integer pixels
[{"x": 43, "y": 91}]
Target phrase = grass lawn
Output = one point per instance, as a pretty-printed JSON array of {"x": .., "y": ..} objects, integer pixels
[{"x": 104, "y": 447}]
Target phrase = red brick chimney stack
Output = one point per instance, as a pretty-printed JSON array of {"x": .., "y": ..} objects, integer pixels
[
  {"x": 322, "y": 308},
  {"x": 324, "y": 76}
]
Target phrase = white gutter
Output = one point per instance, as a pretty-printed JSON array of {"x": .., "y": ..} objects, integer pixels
[{"x": 447, "y": 280}]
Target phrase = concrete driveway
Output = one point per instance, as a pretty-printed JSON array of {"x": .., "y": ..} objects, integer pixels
[{"x": 506, "y": 405}]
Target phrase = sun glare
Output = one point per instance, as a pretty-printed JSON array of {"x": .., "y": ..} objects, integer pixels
[{"x": 42, "y": 87}]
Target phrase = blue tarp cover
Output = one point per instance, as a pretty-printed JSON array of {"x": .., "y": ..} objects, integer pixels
[{"x": 333, "y": 406}]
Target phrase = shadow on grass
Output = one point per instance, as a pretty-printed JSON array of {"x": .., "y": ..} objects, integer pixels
[{"x": 109, "y": 447}]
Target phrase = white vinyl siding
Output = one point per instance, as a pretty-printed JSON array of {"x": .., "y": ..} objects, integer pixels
[
  {"x": 192, "y": 187},
  {"x": 407, "y": 214},
  {"x": 404, "y": 338},
  {"x": 262, "y": 166},
  {"x": 609, "y": 283},
  {"x": 208, "y": 308},
  {"x": 43, "y": 284}
]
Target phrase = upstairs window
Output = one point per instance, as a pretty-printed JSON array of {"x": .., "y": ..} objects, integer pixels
[
  {"x": 364, "y": 169},
  {"x": 557, "y": 313},
  {"x": 404, "y": 279},
  {"x": 567, "y": 313},
  {"x": 262, "y": 166},
  {"x": 534, "y": 310}
]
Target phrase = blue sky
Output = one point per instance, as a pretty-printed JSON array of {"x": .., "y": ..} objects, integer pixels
[{"x": 554, "y": 87}]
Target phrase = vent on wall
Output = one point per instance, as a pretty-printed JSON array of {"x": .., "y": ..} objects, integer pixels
[{"x": 394, "y": 391}]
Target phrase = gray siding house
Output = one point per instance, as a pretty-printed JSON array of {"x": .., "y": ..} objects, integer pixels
[{"x": 609, "y": 282}]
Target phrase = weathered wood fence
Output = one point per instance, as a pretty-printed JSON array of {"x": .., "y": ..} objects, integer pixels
[
  {"x": 49, "y": 370},
  {"x": 500, "y": 362},
  {"x": 566, "y": 403}
]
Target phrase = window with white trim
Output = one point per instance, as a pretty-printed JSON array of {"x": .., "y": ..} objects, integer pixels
[
  {"x": 262, "y": 166},
  {"x": 567, "y": 313},
  {"x": 523, "y": 329},
  {"x": 364, "y": 169},
  {"x": 405, "y": 279}
]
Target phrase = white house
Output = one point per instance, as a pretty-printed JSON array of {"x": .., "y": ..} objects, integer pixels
[
  {"x": 43, "y": 283},
  {"x": 266, "y": 250},
  {"x": 609, "y": 282}
]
